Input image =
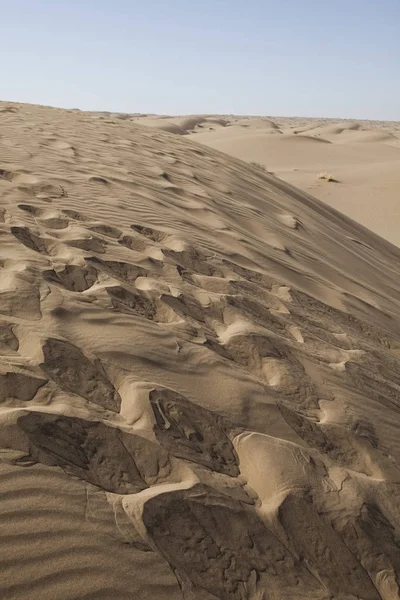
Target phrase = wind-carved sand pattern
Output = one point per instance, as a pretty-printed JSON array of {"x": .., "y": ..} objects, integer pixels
[{"x": 199, "y": 375}]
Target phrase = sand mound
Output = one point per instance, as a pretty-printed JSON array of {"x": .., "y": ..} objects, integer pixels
[
  {"x": 335, "y": 128},
  {"x": 256, "y": 123},
  {"x": 199, "y": 374},
  {"x": 163, "y": 124},
  {"x": 183, "y": 125}
]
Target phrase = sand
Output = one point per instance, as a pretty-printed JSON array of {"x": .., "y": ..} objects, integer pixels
[
  {"x": 200, "y": 390},
  {"x": 362, "y": 159}
]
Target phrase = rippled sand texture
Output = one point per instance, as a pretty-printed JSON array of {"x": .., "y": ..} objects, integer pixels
[{"x": 199, "y": 375}]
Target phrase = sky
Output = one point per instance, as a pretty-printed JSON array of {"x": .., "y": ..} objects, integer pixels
[{"x": 311, "y": 58}]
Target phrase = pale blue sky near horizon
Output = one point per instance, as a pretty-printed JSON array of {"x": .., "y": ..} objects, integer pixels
[{"x": 308, "y": 58}]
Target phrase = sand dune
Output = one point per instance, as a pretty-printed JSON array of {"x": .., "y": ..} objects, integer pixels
[
  {"x": 363, "y": 157},
  {"x": 200, "y": 390}
]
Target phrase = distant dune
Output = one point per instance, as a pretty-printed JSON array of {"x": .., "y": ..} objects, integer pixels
[{"x": 199, "y": 362}]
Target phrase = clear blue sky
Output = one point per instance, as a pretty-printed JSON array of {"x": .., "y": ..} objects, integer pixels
[{"x": 334, "y": 58}]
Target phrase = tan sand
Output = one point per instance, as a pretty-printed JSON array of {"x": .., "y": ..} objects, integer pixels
[
  {"x": 362, "y": 157},
  {"x": 200, "y": 389}
]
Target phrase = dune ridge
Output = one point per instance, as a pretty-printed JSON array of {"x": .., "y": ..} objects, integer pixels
[{"x": 200, "y": 391}]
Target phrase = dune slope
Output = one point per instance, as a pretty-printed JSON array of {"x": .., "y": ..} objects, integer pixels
[
  {"x": 200, "y": 389},
  {"x": 362, "y": 158}
]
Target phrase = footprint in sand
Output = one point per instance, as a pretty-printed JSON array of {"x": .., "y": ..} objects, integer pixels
[
  {"x": 124, "y": 271},
  {"x": 260, "y": 279},
  {"x": 76, "y": 373},
  {"x": 188, "y": 431},
  {"x": 250, "y": 351},
  {"x": 107, "y": 230},
  {"x": 55, "y": 223},
  {"x": 42, "y": 190},
  {"x": 20, "y": 386},
  {"x": 152, "y": 234},
  {"x": 52, "y": 222},
  {"x": 73, "y": 214},
  {"x": 257, "y": 313},
  {"x": 110, "y": 459},
  {"x": 124, "y": 300},
  {"x": 73, "y": 277},
  {"x": 48, "y": 191},
  {"x": 7, "y": 336},
  {"x": 31, "y": 240},
  {"x": 32, "y": 210},
  {"x": 91, "y": 244},
  {"x": 136, "y": 244},
  {"x": 193, "y": 260}
]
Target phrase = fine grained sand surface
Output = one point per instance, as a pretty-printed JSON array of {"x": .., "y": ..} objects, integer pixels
[
  {"x": 200, "y": 383},
  {"x": 363, "y": 158}
]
